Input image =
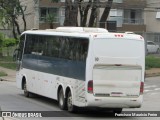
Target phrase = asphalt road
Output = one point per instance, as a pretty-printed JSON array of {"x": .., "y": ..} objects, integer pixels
[{"x": 12, "y": 99}]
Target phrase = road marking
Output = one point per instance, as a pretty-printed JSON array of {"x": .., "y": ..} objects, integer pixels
[
  {"x": 150, "y": 86},
  {"x": 148, "y": 90},
  {"x": 157, "y": 89}
]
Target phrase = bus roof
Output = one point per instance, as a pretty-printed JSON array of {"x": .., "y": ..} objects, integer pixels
[{"x": 83, "y": 32}]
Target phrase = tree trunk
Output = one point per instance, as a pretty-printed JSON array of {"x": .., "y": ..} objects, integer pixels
[
  {"x": 13, "y": 28},
  {"x": 105, "y": 13},
  {"x": 71, "y": 13},
  {"x": 17, "y": 26},
  {"x": 81, "y": 12},
  {"x": 84, "y": 20},
  {"x": 93, "y": 14}
]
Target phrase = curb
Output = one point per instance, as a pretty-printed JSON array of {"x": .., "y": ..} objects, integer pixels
[
  {"x": 153, "y": 75},
  {"x": 3, "y": 79}
]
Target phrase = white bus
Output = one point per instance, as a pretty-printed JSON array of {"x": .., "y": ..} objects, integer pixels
[{"x": 83, "y": 67}]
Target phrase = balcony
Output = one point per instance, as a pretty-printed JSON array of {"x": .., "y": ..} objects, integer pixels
[
  {"x": 134, "y": 3},
  {"x": 48, "y": 3},
  {"x": 127, "y": 4},
  {"x": 133, "y": 21}
]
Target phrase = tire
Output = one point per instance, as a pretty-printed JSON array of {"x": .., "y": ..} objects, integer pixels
[
  {"x": 61, "y": 100},
  {"x": 118, "y": 110},
  {"x": 70, "y": 106},
  {"x": 26, "y": 92}
]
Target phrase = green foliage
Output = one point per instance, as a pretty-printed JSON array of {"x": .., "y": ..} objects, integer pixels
[
  {"x": 1, "y": 39},
  {"x": 9, "y": 42},
  {"x": 152, "y": 62},
  {"x": 10, "y": 11},
  {"x": 50, "y": 18}
]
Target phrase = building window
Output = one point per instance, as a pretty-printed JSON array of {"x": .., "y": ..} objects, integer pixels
[
  {"x": 133, "y": 16},
  {"x": 49, "y": 15},
  {"x": 158, "y": 14},
  {"x": 116, "y": 15},
  {"x": 118, "y": 1}
]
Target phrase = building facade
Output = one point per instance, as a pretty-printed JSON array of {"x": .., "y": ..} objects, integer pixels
[
  {"x": 42, "y": 14},
  {"x": 129, "y": 15},
  {"x": 152, "y": 15}
]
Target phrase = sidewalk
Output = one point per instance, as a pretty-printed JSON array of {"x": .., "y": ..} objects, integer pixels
[
  {"x": 12, "y": 74},
  {"x": 8, "y": 118}
]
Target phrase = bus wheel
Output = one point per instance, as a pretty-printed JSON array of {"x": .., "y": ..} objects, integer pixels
[
  {"x": 70, "y": 106},
  {"x": 61, "y": 100},
  {"x": 26, "y": 93}
]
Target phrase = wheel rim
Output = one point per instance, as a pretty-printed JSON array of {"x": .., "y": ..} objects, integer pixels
[{"x": 69, "y": 102}]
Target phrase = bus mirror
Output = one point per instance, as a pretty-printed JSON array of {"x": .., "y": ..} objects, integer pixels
[{"x": 16, "y": 54}]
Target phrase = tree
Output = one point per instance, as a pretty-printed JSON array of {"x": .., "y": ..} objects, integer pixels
[
  {"x": 73, "y": 7},
  {"x": 93, "y": 14},
  {"x": 50, "y": 19},
  {"x": 84, "y": 12},
  {"x": 10, "y": 11},
  {"x": 106, "y": 12},
  {"x": 71, "y": 13},
  {"x": 1, "y": 43}
]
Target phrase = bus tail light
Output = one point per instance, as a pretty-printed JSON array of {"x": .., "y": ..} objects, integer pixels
[
  {"x": 141, "y": 87},
  {"x": 90, "y": 86}
]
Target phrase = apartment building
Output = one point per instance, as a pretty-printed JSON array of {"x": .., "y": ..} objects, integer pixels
[
  {"x": 129, "y": 15},
  {"x": 152, "y": 15},
  {"x": 42, "y": 14},
  {"x": 152, "y": 20}
]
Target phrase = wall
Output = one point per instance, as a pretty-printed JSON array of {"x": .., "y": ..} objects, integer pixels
[
  {"x": 153, "y": 24},
  {"x": 30, "y": 14}
]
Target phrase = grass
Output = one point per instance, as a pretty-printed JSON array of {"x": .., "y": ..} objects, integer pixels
[
  {"x": 6, "y": 59},
  {"x": 7, "y": 62},
  {"x": 2, "y": 74},
  {"x": 152, "y": 62}
]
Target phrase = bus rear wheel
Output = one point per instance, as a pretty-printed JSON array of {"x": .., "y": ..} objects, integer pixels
[
  {"x": 70, "y": 106},
  {"x": 26, "y": 93},
  {"x": 61, "y": 100}
]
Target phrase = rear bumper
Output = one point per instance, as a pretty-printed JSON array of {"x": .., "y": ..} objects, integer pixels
[{"x": 114, "y": 102}]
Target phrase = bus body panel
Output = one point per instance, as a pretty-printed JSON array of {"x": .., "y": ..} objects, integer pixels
[{"x": 114, "y": 102}]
